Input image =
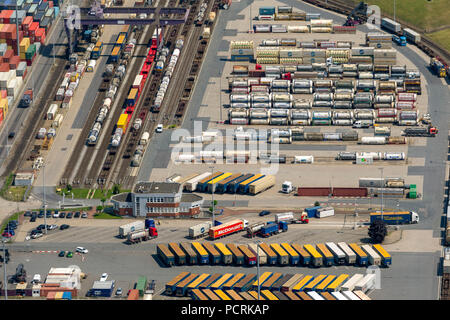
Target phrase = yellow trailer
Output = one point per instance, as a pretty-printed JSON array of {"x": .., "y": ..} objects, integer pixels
[
  {"x": 324, "y": 284},
  {"x": 317, "y": 259},
  {"x": 337, "y": 283},
  {"x": 314, "y": 283},
  {"x": 221, "y": 294},
  {"x": 305, "y": 280}
]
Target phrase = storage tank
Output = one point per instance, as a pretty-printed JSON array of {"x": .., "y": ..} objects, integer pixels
[
  {"x": 238, "y": 113},
  {"x": 240, "y": 105},
  {"x": 280, "y": 140},
  {"x": 303, "y": 159},
  {"x": 300, "y": 114},
  {"x": 408, "y": 115},
  {"x": 323, "y": 96},
  {"x": 240, "y": 98},
  {"x": 260, "y": 97},
  {"x": 259, "y": 114},
  {"x": 374, "y": 155},
  {"x": 281, "y": 105},
  {"x": 259, "y": 121},
  {"x": 280, "y": 113},
  {"x": 394, "y": 156},
  {"x": 332, "y": 136},
  {"x": 282, "y": 97},
  {"x": 342, "y": 115},
  {"x": 342, "y": 122},
  {"x": 326, "y": 115},
  {"x": 300, "y": 122},
  {"x": 346, "y": 156},
  {"x": 322, "y": 104},
  {"x": 386, "y": 113},
  {"x": 372, "y": 140},
  {"x": 241, "y": 121},
  {"x": 342, "y": 104},
  {"x": 364, "y": 114},
  {"x": 313, "y": 136},
  {"x": 301, "y": 104}
]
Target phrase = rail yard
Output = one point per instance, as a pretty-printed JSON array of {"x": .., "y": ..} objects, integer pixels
[{"x": 271, "y": 150}]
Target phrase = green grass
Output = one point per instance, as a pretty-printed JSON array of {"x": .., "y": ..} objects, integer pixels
[
  {"x": 104, "y": 215},
  {"x": 8, "y": 182},
  {"x": 442, "y": 37},
  {"x": 14, "y": 216},
  {"x": 14, "y": 193},
  {"x": 81, "y": 193}
]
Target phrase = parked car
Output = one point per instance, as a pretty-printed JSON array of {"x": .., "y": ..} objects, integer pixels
[
  {"x": 41, "y": 215},
  {"x": 62, "y": 253},
  {"x": 35, "y": 231},
  {"x": 264, "y": 213},
  {"x": 7, "y": 234},
  {"x": 77, "y": 214},
  {"x": 33, "y": 218},
  {"x": 11, "y": 226},
  {"x": 36, "y": 278},
  {"x": 11, "y": 135},
  {"x": 56, "y": 214},
  {"x": 119, "y": 292},
  {"x": 36, "y": 235},
  {"x": 69, "y": 215},
  {"x": 84, "y": 215},
  {"x": 27, "y": 214},
  {"x": 81, "y": 250},
  {"x": 104, "y": 277},
  {"x": 159, "y": 128},
  {"x": 69, "y": 254},
  {"x": 62, "y": 214},
  {"x": 64, "y": 226},
  {"x": 41, "y": 227},
  {"x": 48, "y": 214},
  {"x": 51, "y": 226}
]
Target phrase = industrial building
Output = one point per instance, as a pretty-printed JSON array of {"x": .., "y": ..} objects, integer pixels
[{"x": 157, "y": 199}]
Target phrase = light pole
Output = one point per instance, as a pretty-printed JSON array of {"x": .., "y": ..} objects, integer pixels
[
  {"x": 44, "y": 202},
  {"x": 257, "y": 266},
  {"x": 382, "y": 189},
  {"x": 212, "y": 196},
  {"x": 395, "y": 3}
]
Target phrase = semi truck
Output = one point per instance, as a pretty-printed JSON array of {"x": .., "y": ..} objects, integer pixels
[
  {"x": 27, "y": 98},
  {"x": 272, "y": 228},
  {"x": 254, "y": 228},
  {"x": 393, "y": 218},
  {"x": 428, "y": 131},
  {"x": 227, "y": 228},
  {"x": 400, "y": 40},
  {"x": 289, "y": 217},
  {"x": 144, "y": 235},
  {"x": 438, "y": 67},
  {"x": 125, "y": 229}
]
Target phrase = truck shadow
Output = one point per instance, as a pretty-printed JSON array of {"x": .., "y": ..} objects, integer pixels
[{"x": 159, "y": 262}]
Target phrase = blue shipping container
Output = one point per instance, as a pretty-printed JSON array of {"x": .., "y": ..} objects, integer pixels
[
  {"x": 264, "y": 11},
  {"x": 149, "y": 223},
  {"x": 312, "y": 211},
  {"x": 67, "y": 296}
]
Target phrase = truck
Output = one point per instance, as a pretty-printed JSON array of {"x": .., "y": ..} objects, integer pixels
[
  {"x": 254, "y": 228},
  {"x": 438, "y": 67},
  {"x": 166, "y": 256},
  {"x": 227, "y": 228},
  {"x": 272, "y": 228},
  {"x": 391, "y": 25},
  {"x": 125, "y": 229},
  {"x": 429, "y": 131},
  {"x": 27, "y": 98},
  {"x": 287, "y": 187},
  {"x": 393, "y": 218},
  {"x": 144, "y": 235},
  {"x": 400, "y": 40},
  {"x": 200, "y": 230},
  {"x": 289, "y": 217}
]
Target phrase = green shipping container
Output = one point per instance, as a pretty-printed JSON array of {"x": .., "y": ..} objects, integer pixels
[
  {"x": 30, "y": 51},
  {"x": 141, "y": 284}
]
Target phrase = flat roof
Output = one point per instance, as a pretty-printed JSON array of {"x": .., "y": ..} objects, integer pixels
[{"x": 156, "y": 187}]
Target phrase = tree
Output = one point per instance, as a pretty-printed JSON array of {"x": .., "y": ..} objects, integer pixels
[
  {"x": 103, "y": 200},
  {"x": 69, "y": 188},
  {"x": 116, "y": 189},
  {"x": 211, "y": 208},
  {"x": 99, "y": 208},
  {"x": 378, "y": 231},
  {"x": 317, "y": 203}
]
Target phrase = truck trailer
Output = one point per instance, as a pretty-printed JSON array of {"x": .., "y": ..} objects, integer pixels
[
  {"x": 238, "y": 256},
  {"x": 125, "y": 229},
  {"x": 394, "y": 218},
  {"x": 227, "y": 228},
  {"x": 166, "y": 256},
  {"x": 272, "y": 228},
  {"x": 386, "y": 259}
]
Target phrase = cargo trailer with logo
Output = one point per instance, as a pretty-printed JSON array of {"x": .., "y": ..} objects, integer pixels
[
  {"x": 200, "y": 230},
  {"x": 180, "y": 256},
  {"x": 305, "y": 257},
  {"x": 230, "y": 283},
  {"x": 227, "y": 256},
  {"x": 350, "y": 283},
  {"x": 171, "y": 285},
  {"x": 245, "y": 283},
  {"x": 316, "y": 257},
  {"x": 203, "y": 256},
  {"x": 272, "y": 257},
  {"x": 337, "y": 283},
  {"x": 339, "y": 255},
  {"x": 238, "y": 257},
  {"x": 191, "y": 256}
]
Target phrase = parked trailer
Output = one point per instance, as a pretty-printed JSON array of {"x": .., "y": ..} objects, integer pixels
[
  {"x": 191, "y": 256},
  {"x": 124, "y": 230},
  {"x": 245, "y": 283},
  {"x": 211, "y": 185},
  {"x": 327, "y": 255},
  {"x": 202, "y": 255},
  {"x": 386, "y": 259},
  {"x": 339, "y": 255},
  {"x": 260, "y": 281},
  {"x": 214, "y": 255},
  {"x": 254, "y": 294},
  {"x": 211, "y": 295},
  {"x": 227, "y": 228},
  {"x": 280, "y": 282},
  {"x": 328, "y": 296},
  {"x": 283, "y": 256},
  {"x": 316, "y": 258},
  {"x": 305, "y": 257},
  {"x": 249, "y": 257},
  {"x": 227, "y": 256},
  {"x": 289, "y": 285},
  {"x": 247, "y": 296},
  {"x": 337, "y": 283},
  {"x": 164, "y": 253},
  {"x": 233, "y": 186},
  {"x": 238, "y": 257},
  {"x": 262, "y": 255},
  {"x": 200, "y": 230},
  {"x": 222, "y": 186},
  {"x": 268, "y": 284},
  {"x": 196, "y": 283},
  {"x": 180, "y": 256},
  {"x": 222, "y": 295},
  {"x": 294, "y": 257},
  {"x": 291, "y": 295},
  {"x": 181, "y": 287},
  {"x": 207, "y": 283},
  {"x": 218, "y": 284},
  {"x": 361, "y": 295},
  {"x": 325, "y": 283},
  {"x": 261, "y": 184},
  {"x": 303, "y": 295},
  {"x": 350, "y": 295},
  {"x": 191, "y": 185},
  {"x": 302, "y": 283},
  {"x": 171, "y": 285},
  {"x": 245, "y": 185},
  {"x": 366, "y": 283},
  {"x": 350, "y": 283},
  {"x": 202, "y": 184},
  {"x": 271, "y": 256},
  {"x": 234, "y": 295},
  {"x": 314, "y": 283},
  {"x": 196, "y": 294},
  {"x": 230, "y": 283},
  {"x": 374, "y": 258},
  {"x": 361, "y": 256},
  {"x": 339, "y": 296},
  {"x": 253, "y": 229},
  {"x": 350, "y": 256},
  {"x": 268, "y": 295}
]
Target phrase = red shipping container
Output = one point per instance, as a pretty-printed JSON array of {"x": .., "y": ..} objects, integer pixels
[
  {"x": 314, "y": 192},
  {"x": 349, "y": 192},
  {"x": 4, "y": 67},
  {"x": 3, "y": 94},
  {"x": 50, "y": 4},
  {"x": 33, "y": 27},
  {"x": 27, "y": 22},
  {"x": 43, "y": 39},
  {"x": 8, "y": 14},
  {"x": 13, "y": 62},
  {"x": 8, "y": 55}
]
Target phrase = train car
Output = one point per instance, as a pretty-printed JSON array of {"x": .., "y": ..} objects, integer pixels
[
  {"x": 123, "y": 122},
  {"x": 156, "y": 37},
  {"x": 132, "y": 98},
  {"x": 121, "y": 40},
  {"x": 191, "y": 256},
  {"x": 115, "y": 55}
]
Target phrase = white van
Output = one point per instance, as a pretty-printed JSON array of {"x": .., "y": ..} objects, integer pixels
[
  {"x": 36, "y": 278},
  {"x": 362, "y": 124},
  {"x": 159, "y": 128}
]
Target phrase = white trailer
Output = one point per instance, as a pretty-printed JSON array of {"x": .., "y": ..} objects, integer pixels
[
  {"x": 200, "y": 230},
  {"x": 374, "y": 258},
  {"x": 325, "y": 212},
  {"x": 286, "y": 216},
  {"x": 125, "y": 229},
  {"x": 366, "y": 283},
  {"x": 361, "y": 295},
  {"x": 339, "y": 255},
  {"x": 338, "y": 295},
  {"x": 350, "y": 256},
  {"x": 315, "y": 295},
  {"x": 350, "y": 295},
  {"x": 350, "y": 283},
  {"x": 191, "y": 185},
  {"x": 262, "y": 255}
]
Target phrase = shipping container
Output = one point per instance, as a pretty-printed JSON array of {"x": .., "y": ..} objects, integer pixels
[
  {"x": 305, "y": 257},
  {"x": 171, "y": 285},
  {"x": 337, "y": 283},
  {"x": 230, "y": 283},
  {"x": 180, "y": 256},
  {"x": 227, "y": 256},
  {"x": 245, "y": 283},
  {"x": 361, "y": 256},
  {"x": 316, "y": 257},
  {"x": 238, "y": 257},
  {"x": 191, "y": 256}
]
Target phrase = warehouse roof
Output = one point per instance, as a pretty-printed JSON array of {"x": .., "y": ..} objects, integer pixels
[
  {"x": 122, "y": 197},
  {"x": 157, "y": 187},
  {"x": 190, "y": 197}
]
